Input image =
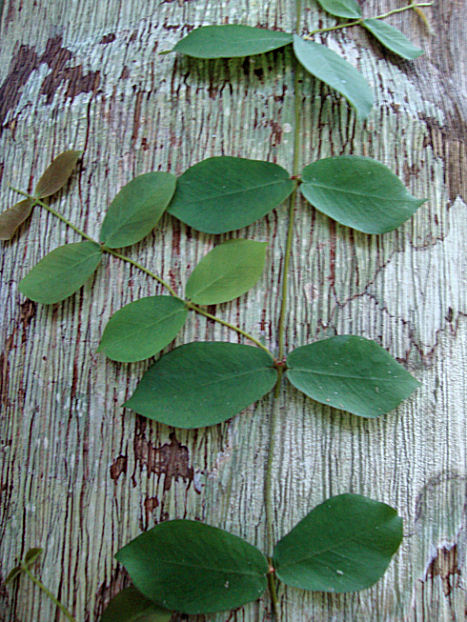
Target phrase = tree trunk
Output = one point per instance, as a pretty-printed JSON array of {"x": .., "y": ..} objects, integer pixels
[{"x": 80, "y": 475}]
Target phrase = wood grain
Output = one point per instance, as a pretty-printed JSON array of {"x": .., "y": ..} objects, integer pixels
[{"x": 79, "y": 475}]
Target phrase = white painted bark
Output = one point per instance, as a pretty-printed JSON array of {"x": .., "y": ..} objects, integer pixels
[{"x": 81, "y": 476}]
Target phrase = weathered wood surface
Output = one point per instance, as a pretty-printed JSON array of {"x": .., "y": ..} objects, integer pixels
[{"x": 81, "y": 476}]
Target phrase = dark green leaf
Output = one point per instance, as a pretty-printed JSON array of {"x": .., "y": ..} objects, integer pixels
[
  {"x": 32, "y": 555},
  {"x": 131, "y": 606},
  {"x": 57, "y": 174},
  {"x": 136, "y": 209},
  {"x": 228, "y": 271},
  {"x": 224, "y": 193},
  {"x": 142, "y": 328},
  {"x": 203, "y": 383},
  {"x": 392, "y": 39},
  {"x": 337, "y": 73},
  {"x": 342, "y": 8},
  {"x": 13, "y": 217},
  {"x": 231, "y": 40},
  {"x": 343, "y": 545},
  {"x": 358, "y": 192},
  {"x": 350, "y": 373},
  {"x": 194, "y": 568},
  {"x": 61, "y": 273},
  {"x": 14, "y": 572}
]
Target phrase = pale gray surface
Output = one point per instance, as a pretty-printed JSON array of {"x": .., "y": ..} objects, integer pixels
[{"x": 80, "y": 476}]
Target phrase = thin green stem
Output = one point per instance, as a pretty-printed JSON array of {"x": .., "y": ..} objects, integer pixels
[
  {"x": 48, "y": 593},
  {"x": 356, "y": 22},
  {"x": 272, "y": 590},
  {"x": 37, "y": 201},
  {"x": 237, "y": 329},
  {"x": 268, "y": 495},
  {"x": 153, "y": 275}
]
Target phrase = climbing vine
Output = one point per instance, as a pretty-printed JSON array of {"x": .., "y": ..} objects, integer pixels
[{"x": 346, "y": 543}]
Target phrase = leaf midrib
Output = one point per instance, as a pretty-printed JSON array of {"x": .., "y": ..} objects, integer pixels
[
  {"x": 360, "y": 194},
  {"x": 233, "y": 193},
  {"x": 322, "y": 373}
]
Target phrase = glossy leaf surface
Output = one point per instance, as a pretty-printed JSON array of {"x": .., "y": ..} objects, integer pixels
[
  {"x": 392, "y": 38},
  {"x": 142, "y": 328},
  {"x": 194, "y": 568},
  {"x": 57, "y": 174},
  {"x": 137, "y": 209},
  {"x": 342, "y": 8},
  {"x": 13, "y": 217},
  {"x": 131, "y": 606},
  {"x": 203, "y": 383},
  {"x": 343, "y": 545},
  {"x": 228, "y": 271},
  {"x": 61, "y": 273},
  {"x": 223, "y": 193},
  {"x": 350, "y": 373},
  {"x": 230, "y": 40},
  {"x": 358, "y": 192},
  {"x": 337, "y": 73}
]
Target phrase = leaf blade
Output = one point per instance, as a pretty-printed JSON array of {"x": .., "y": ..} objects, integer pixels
[
  {"x": 61, "y": 273},
  {"x": 341, "y": 8},
  {"x": 13, "y": 217},
  {"x": 57, "y": 174},
  {"x": 137, "y": 209},
  {"x": 337, "y": 73},
  {"x": 224, "y": 193},
  {"x": 226, "y": 272},
  {"x": 214, "y": 381},
  {"x": 350, "y": 373},
  {"x": 358, "y": 192},
  {"x": 392, "y": 38},
  {"x": 161, "y": 563},
  {"x": 142, "y": 328},
  {"x": 343, "y": 545},
  {"x": 129, "y": 605},
  {"x": 230, "y": 41}
]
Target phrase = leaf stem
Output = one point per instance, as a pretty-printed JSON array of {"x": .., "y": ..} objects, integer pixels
[
  {"x": 48, "y": 593},
  {"x": 356, "y": 22},
  {"x": 153, "y": 275},
  {"x": 272, "y": 590},
  {"x": 268, "y": 496},
  {"x": 237, "y": 329}
]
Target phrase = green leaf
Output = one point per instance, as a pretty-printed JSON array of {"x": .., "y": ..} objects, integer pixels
[
  {"x": 231, "y": 40},
  {"x": 350, "y": 373},
  {"x": 13, "y": 217},
  {"x": 131, "y": 606},
  {"x": 137, "y": 209},
  {"x": 358, "y": 192},
  {"x": 194, "y": 568},
  {"x": 392, "y": 39},
  {"x": 203, "y": 383},
  {"x": 343, "y": 545},
  {"x": 337, "y": 73},
  {"x": 142, "y": 328},
  {"x": 342, "y": 8},
  {"x": 223, "y": 193},
  {"x": 57, "y": 174},
  {"x": 61, "y": 273},
  {"x": 226, "y": 272},
  {"x": 14, "y": 572},
  {"x": 32, "y": 555}
]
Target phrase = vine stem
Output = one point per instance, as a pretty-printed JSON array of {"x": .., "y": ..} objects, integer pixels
[
  {"x": 48, "y": 593},
  {"x": 268, "y": 496},
  {"x": 413, "y": 5},
  {"x": 153, "y": 275}
]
